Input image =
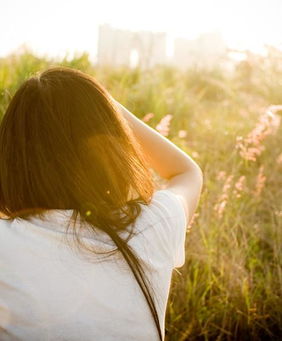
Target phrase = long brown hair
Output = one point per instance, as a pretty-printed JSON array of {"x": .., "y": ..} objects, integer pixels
[{"x": 65, "y": 145}]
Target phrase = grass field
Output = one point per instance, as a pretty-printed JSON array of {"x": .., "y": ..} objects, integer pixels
[{"x": 230, "y": 287}]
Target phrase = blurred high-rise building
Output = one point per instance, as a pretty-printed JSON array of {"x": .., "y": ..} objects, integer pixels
[
  {"x": 205, "y": 51},
  {"x": 118, "y": 47}
]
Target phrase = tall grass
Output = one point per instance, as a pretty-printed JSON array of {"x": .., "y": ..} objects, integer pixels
[{"x": 230, "y": 287}]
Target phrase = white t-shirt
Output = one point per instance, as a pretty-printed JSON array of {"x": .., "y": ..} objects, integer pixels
[{"x": 49, "y": 292}]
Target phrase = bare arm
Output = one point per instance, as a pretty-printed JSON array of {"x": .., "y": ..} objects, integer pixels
[{"x": 184, "y": 175}]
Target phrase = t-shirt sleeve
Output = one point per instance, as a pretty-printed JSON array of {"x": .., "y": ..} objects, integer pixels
[{"x": 172, "y": 224}]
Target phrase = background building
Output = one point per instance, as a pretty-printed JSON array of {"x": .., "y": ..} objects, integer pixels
[
  {"x": 205, "y": 51},
  {"x": 123, "y": 47}
]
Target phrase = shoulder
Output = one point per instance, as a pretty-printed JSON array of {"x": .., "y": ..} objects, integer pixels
[
  {"x": 163, "y": 224},
  {"x": 168, "y": 204}
]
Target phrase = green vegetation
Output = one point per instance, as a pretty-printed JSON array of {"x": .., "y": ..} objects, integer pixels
[{"x": 230, "y": 287}]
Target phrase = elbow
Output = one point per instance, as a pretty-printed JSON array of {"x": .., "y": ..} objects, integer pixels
[{"x": 199, "y": 174}]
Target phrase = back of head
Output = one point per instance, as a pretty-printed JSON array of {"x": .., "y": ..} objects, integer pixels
[{"x": 64, "y": 144}]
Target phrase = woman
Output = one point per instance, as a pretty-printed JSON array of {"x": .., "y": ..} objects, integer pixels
[{"x": 89, "y": 243}]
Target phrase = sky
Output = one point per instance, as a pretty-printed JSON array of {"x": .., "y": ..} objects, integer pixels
[{"x": 60, "y": 27}]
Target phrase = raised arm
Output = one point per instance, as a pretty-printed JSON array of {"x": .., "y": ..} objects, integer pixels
[{"x": 185, "y": 177}]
